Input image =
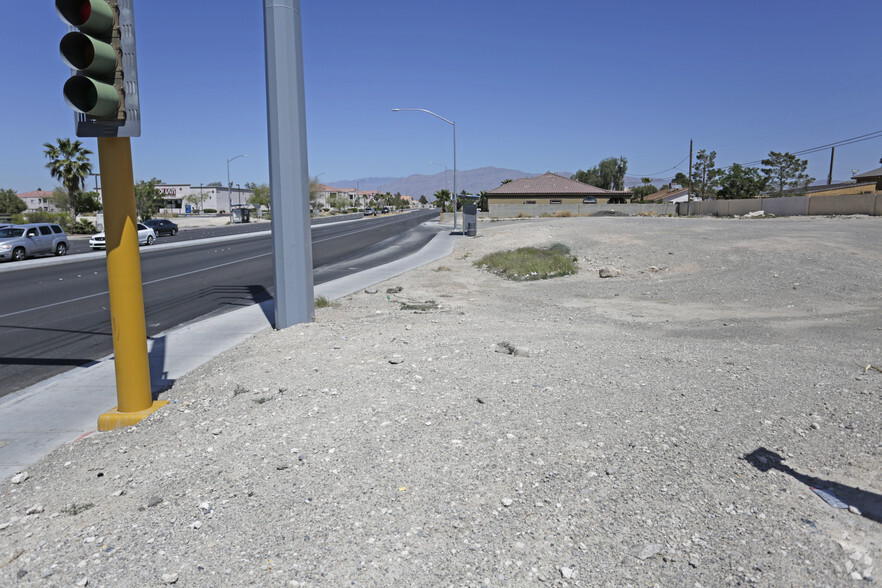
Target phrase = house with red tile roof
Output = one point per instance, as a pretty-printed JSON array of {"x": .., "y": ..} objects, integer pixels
[
  {"x": 39, "y": 200},
  {"x": 551, "y": 189}
]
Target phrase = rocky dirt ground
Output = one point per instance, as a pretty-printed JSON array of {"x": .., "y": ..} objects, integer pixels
[{"x": 662, "y": 427}]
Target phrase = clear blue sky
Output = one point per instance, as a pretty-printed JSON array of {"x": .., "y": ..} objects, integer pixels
[{"x": 535, "y": 86}]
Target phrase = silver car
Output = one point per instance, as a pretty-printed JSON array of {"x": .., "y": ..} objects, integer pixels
[{"x": 20, "y": 241}]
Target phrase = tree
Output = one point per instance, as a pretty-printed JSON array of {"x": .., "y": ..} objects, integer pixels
[
  {"x": 314, "y": 189},
  {"x": 681, "y": 180},
  {"x": 59, "y": 198},
  {"x": 214, "y": 184},
  {"x": 705, "y": 175},
  {"x": 609, "y": 174},
  {"x": 260, "y": 195},
  {"x": 741, "y": 182},
  {"x": 506, "y": 181},
  {"x": 88, "y": 202},
  {"x": 441, "y": 199},
  {"x": 69, "y": 163},
  {"x": 482, "y": 201},
  {"x": 786, "y": 171},
  {"x": 588, "y": 176},
  {"x": 197, "y": 199},
  {"x": 338, "y": 201},
  {"x": 10, "y": 203},
  {"x": 148, "y": 200},
  {"x": 423, "y": 199},
  {"x": 641, "y": 192}
]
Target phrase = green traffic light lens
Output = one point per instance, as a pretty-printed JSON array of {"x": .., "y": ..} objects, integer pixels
[
  {"x": 88, "y": 55},
  {"x": 91, "y": 97}
]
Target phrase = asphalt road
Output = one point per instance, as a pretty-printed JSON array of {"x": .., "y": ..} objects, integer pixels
[{"x": 55, "y": 317}]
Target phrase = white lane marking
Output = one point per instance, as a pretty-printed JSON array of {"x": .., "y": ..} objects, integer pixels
[{"x": 3, "y": 316}]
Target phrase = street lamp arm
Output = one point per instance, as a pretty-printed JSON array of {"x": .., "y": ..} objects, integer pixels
[
  {"x": 453, "y": 124},
  {"x": 230, "y": 183},
  {"x": 426, "y": 111}
]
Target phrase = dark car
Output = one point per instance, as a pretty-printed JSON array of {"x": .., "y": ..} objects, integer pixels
[
  {"x": 589, "y": 200},
  {"x": 162, "y": 226},
  {"x": 386, "y": 210}
]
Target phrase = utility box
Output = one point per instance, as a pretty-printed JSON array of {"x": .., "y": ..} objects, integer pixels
[{"x": 470, "y": 220}]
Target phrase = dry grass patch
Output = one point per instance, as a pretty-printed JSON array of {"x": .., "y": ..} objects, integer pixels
[{"x": 531, "y": 263}]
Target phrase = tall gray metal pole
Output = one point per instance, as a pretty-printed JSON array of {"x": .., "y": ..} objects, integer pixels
[
  {"x": 289, "y": 175},
  {"x": 450, "y": 122}
]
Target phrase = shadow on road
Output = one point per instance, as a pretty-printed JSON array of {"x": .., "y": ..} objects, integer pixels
[{"x": 244, "y": 296}]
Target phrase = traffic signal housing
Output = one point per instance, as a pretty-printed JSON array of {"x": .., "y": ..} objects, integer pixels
[{"x": 100, "y": 50}]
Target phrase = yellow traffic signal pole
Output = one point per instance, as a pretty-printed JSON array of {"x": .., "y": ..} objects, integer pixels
[{"x": 129, "y": 327}]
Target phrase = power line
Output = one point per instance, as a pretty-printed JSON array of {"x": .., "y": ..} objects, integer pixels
[
  {"x": 858, "y": 139},
  {"x": 675, "y": 166}
]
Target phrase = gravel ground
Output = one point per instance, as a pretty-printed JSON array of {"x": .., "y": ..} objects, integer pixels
[{"x": 662, "y": 427}]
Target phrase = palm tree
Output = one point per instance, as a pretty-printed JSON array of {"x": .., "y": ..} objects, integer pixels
[
  {"x": 69, "y": 163},
  {"x": 441, "y": 198}
]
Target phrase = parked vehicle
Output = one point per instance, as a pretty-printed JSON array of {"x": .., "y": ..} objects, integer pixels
[
  {"x": 20, "y": 241},
  {"x": 162, "y": 226},
  {"x": 589, "y": 200},
  {"x": 369, "y": 211},
  {"x": 146, "y": 236},
  {"x": 386, "y": 210}
]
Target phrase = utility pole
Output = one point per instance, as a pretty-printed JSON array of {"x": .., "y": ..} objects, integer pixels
[
  {"x": 830, "y": 175},
  {"x": 689, "y": 182}
]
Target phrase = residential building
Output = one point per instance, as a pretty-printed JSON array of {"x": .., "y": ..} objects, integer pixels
[
  {"x": 551, "y": 189},
  {"x": 39, "y": 200},
  {"x": 874, "y": 175},
  {"x": 324, "y": 194}
]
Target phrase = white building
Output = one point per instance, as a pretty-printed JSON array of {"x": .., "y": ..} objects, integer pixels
[
  {"x": 39, "y": 200},
  {"x": 189, "y": 199}
]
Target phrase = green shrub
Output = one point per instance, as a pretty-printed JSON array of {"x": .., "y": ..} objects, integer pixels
[
  {"x": 82, "y": 227},
  {"x": 531, "y": 263},
  {"x": 43, "y": 216},
  {"x": 322, "y": 302},
  {"x": 209, "y": 211}
]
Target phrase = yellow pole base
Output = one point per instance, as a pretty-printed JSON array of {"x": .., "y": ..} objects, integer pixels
[{"x": 114, "y": 419}]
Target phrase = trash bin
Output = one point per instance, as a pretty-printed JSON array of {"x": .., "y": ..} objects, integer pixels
[{"x": 470, "y": 220}]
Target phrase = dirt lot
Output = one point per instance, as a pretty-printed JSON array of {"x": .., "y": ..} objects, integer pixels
[{"x": 662, "y": 427}]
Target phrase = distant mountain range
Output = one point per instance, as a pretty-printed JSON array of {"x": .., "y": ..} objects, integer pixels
[{"x": 470, "y": 180}]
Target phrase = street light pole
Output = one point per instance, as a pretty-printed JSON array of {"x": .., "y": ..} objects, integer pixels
[
  {"x": 229, "y": 183},
  {"x": 453, "y": 124}
]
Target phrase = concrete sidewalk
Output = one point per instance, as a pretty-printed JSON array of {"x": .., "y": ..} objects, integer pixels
[{"x": 42, "y": 417}]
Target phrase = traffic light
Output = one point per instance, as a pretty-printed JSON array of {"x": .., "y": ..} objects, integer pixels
[{"x": 103, "y": 89}]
